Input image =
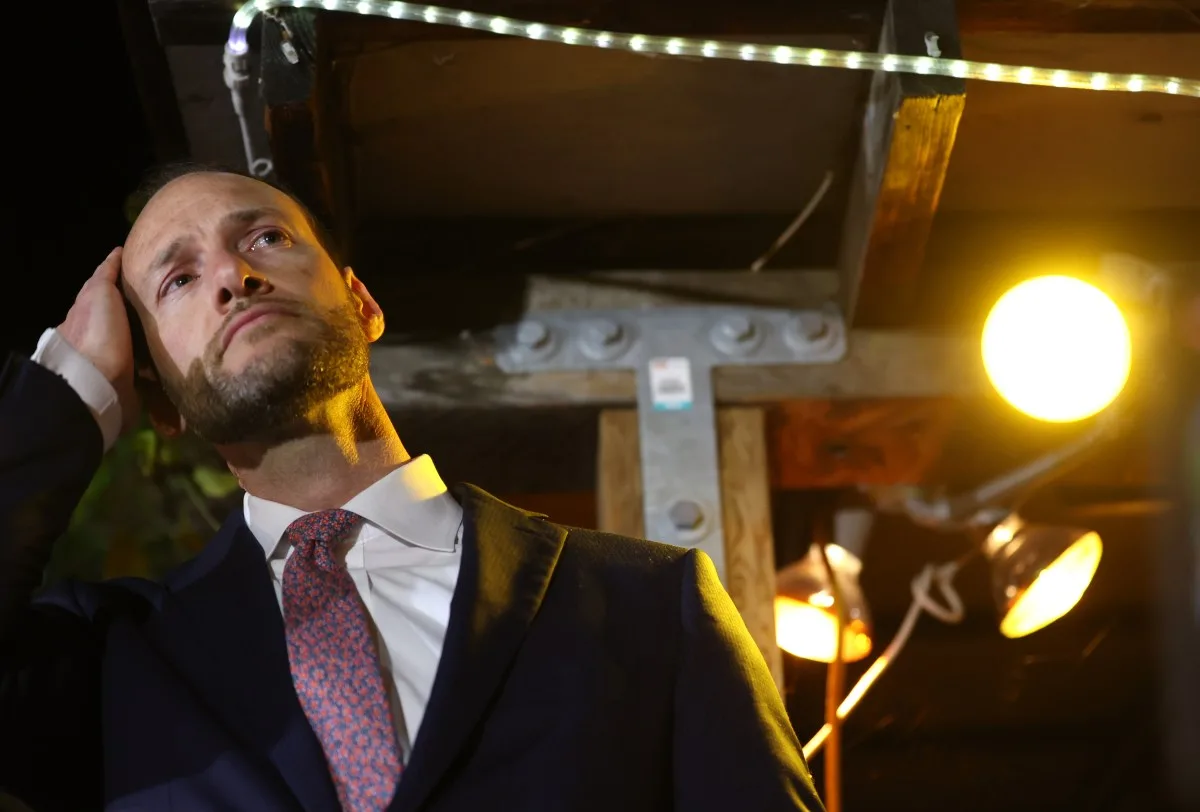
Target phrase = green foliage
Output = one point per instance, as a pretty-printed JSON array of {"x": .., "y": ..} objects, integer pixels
[{"x": 152, "y": 504}]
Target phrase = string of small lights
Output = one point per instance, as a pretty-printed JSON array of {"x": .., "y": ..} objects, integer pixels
[{"x": 721, "y": 49}]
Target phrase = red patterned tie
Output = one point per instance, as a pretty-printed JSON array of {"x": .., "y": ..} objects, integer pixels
[{"x": 335, "y": 665}]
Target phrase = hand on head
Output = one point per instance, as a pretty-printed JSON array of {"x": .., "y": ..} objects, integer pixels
[{"x": 97, "y": 326}]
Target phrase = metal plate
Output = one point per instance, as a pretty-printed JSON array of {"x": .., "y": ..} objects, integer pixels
[{"x": 673, "y": 352}]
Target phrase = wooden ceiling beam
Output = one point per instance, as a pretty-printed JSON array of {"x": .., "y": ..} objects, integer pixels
[
  {"x": 302, "y": 124},
  {"x": 909, "y": 128},
  {"x": 461, "y": 373},
  {"x": 1075, "y": 17}
]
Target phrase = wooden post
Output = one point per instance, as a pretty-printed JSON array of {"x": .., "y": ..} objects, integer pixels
[
  {"x": 908, "y": 134},
  {"x": 745, "y": 503}
]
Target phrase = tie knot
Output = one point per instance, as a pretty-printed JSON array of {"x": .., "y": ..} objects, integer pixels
[{"x": 320, "y": 533}]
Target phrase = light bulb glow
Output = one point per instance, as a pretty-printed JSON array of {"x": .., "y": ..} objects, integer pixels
[
  {"x": 1055, "y": 590},
  {"x": 682, "y": 47},
  {"x": 808, "y": 631},
  {"x": 1057, "y": 348}
]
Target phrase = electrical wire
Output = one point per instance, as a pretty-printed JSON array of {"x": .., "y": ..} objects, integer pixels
[
  {"x": 952, "y": 612},
  {"x": 791, "y": 230},
  {"x": 835, "y": 682}
]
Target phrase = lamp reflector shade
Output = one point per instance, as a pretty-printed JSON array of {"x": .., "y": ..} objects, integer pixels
[
  {"x": 805, "y": 615},
  {"x": 1039, "y": 572}
]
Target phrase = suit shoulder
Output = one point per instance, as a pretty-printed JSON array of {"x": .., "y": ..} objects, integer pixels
[
  {"x": 611, "y": 549},
  {"x": 94, "y": 600}
]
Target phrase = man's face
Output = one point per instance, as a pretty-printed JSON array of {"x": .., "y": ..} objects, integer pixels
[{"x": 250, "y": 325}]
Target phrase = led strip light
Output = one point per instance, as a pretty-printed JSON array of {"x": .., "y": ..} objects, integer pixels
[
  {"x": 714, "y": 49},
  {"x": 236, "y": 71}
]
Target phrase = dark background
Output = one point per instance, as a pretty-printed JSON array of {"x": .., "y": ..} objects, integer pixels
[{"x": 63, "y": 207}]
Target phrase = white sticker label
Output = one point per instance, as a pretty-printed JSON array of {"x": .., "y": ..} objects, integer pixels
[{"x": 671, "y": 383}]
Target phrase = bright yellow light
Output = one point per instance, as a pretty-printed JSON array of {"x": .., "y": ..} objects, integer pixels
[
  {"x": 1056, "y": 348},
  {"x": 1056, "y": 589},
  {"x": 810, "y": 632}
]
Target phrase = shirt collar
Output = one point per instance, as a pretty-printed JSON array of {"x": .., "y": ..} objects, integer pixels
[{"x": 411, "y": 504}]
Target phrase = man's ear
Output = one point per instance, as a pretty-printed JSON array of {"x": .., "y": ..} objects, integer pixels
[
  {"x": 369, "y": 312},
  {"x": 164, "y": 417}
]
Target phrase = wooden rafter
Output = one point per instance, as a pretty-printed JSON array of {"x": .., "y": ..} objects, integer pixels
[
  {"x": 908, "y": 133},
  {"x": 303, "y": 129}
]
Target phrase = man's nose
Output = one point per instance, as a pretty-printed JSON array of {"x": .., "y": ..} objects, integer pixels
[{"x": 237, "y": 280}]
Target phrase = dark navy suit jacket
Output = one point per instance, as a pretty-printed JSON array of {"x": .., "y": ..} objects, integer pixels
[{"x": 581, "y": 671}]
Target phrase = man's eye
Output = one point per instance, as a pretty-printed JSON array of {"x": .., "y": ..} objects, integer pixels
[
  {"x": 269, "y": 238},
  {"x": 178, "y": 281}
]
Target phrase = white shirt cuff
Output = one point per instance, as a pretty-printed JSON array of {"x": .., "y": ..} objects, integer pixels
[{"x": 56, "y": 355}]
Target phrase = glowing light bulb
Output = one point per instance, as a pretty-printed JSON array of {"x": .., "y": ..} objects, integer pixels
[
  {"x": 1057, "y": 348},
  {"x": 806, "y": 630}
]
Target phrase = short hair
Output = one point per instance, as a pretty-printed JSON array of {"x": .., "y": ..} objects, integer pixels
[{"x": 153, "y": 182}]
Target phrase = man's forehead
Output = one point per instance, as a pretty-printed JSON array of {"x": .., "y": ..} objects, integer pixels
[{"x": 189, "y": 205}]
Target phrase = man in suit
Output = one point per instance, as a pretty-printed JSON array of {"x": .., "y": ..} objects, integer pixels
[{"x": 357, "y": 636}]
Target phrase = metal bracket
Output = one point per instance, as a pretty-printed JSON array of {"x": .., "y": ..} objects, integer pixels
[{"x": 674, "y": 351}]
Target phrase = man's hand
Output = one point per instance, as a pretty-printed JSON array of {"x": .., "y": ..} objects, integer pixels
[{"x": 98, "y": 328}]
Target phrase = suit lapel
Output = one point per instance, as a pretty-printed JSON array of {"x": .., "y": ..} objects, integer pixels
[
  {"x": 222, "y": 627},
  {"x": 508, "y": 558}
]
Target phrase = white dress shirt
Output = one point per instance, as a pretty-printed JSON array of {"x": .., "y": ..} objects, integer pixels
[{"x": 404, "y": 558}]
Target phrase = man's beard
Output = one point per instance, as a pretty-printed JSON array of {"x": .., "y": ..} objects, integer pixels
[{"x": 269, "y": 400}]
